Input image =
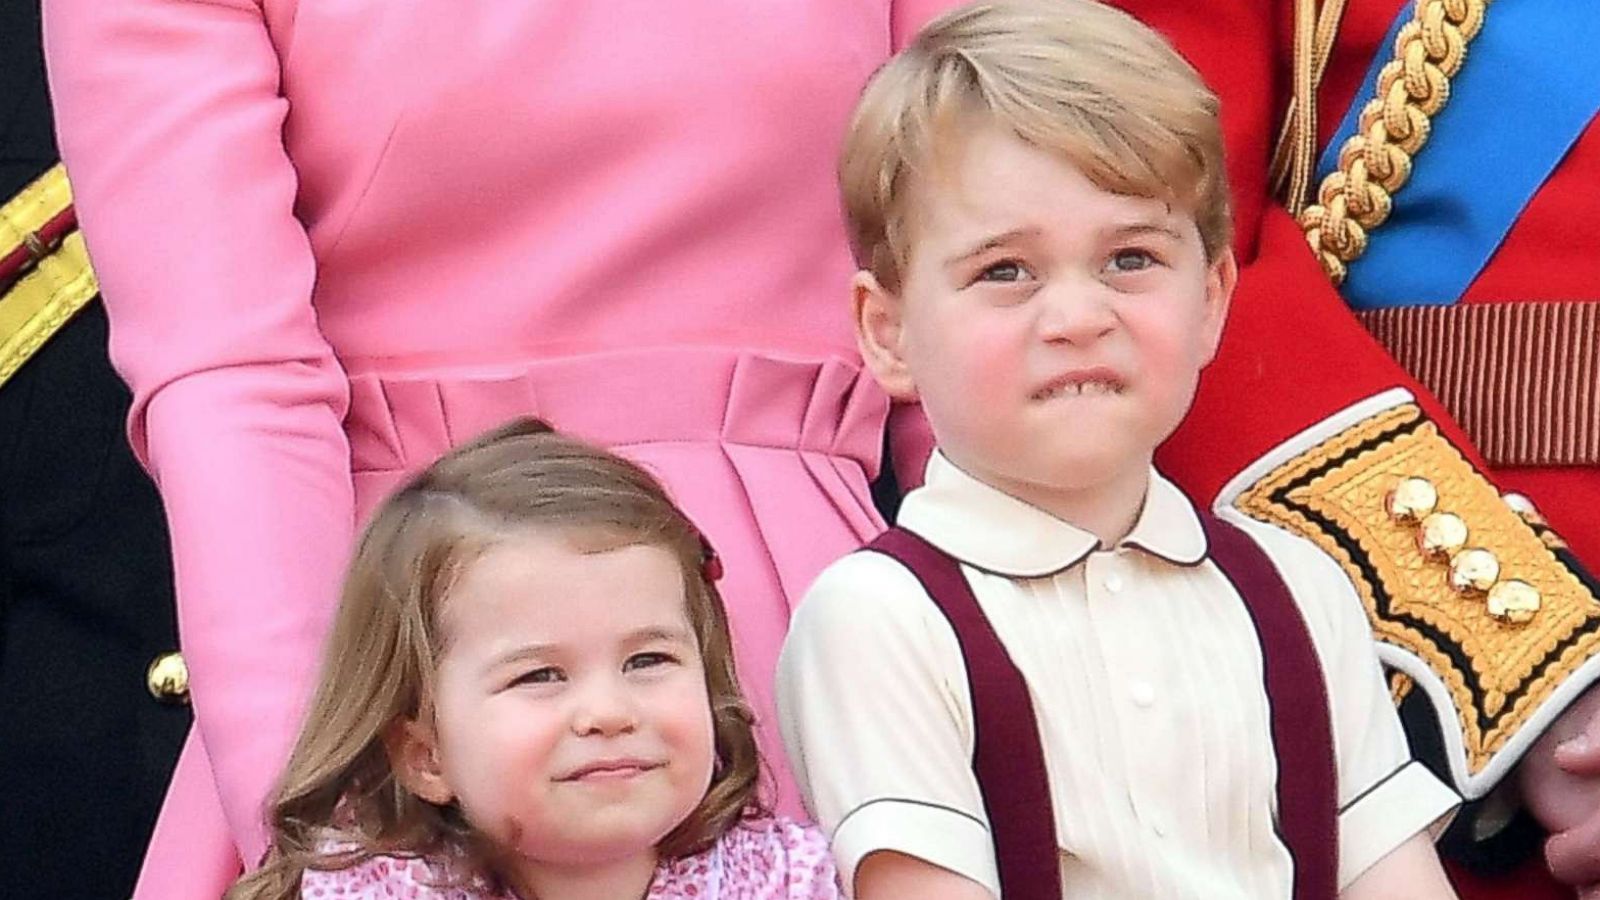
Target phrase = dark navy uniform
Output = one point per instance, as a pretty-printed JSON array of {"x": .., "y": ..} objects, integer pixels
[{"x": 85, "y": 577}]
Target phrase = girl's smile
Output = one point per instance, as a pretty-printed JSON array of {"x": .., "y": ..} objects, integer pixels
[
  {"x": 571, "y": 717},
  {"x": 604, "y": 770}
]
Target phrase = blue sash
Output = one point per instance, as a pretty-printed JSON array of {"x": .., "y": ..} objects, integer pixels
[{"x": 1528, "y": 88}]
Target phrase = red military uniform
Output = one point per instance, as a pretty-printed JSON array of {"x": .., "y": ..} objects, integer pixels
[{"x": 1295, "y": 352}]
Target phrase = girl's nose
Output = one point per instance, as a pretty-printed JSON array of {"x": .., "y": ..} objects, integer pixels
[
  {"x": 605, "y": 708},
  {"x": 1075, "y": 312}
]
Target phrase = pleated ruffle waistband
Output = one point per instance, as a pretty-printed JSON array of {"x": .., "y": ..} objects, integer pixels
[{"x": 402, "y": 421}]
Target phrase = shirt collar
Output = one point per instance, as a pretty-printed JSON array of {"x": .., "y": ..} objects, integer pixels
[{"x": 989, "y": 529}]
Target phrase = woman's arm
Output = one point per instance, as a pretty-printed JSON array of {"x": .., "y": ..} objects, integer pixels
[{"x": 171, "y": 123}]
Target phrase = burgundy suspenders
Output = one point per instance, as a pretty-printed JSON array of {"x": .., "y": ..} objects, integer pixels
[
  {"x": 1008, "y": 757},
  {"x": 1297, "y": 700}
]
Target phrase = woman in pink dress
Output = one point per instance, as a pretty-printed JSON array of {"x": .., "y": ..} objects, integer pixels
[{"x": 336, "y": 238}]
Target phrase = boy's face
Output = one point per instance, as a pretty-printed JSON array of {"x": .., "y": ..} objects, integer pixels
[{"x": 1053, "y": 331}]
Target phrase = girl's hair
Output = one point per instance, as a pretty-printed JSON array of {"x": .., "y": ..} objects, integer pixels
[{"x": 338, "y": 801}]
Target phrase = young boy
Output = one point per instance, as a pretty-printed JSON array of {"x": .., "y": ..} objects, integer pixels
[{"x": 1059, "y": 678}]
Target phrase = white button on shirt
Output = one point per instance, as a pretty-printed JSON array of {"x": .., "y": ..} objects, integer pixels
[
  {"x": 1144, "y": 696},
  {"x": 1146, "y": 677}
]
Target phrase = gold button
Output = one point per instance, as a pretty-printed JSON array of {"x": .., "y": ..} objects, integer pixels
[
  {"x": 1412, "y": 499},
  {"x": 168, "y": 678},
  {"x": 1474, "y": 570},
  {"x": 1513, "y": 602},
  {"x": 1441, "y": 535}
]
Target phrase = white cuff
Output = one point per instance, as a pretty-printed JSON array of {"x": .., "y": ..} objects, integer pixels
[
  {"x": 1386, "y": 815},
  {"x": 940, "y": 835}
]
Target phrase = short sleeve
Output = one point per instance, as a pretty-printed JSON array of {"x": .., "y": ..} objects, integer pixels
[
  {"x": 875, "y": 712},
  {"x": 760, "y": 859},
  {"x": 384, "y": 878},
  {"x": 1385, "y": 796}
]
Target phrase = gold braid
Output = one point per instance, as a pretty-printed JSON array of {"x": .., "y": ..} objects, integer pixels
[
  {"x": 1294, "y": 159},
  {"x": 1376, "y": 161}
]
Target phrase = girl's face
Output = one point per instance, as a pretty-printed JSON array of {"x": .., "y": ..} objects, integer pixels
[{"x": 572, "y": 721}]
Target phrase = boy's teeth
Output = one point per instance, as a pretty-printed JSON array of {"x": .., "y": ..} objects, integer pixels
[{"x": 1082, "y": 388}]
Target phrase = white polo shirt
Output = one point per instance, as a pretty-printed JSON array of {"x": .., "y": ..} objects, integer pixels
[{"x": 1146, "y": 677}]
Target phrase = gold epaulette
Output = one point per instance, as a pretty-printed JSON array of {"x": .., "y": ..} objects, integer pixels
[
  {"x": 55, "y": 280},
  {"x": 1465, "y": 597}
]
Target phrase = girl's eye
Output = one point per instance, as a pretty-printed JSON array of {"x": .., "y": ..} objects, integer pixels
[
  {"x": 648, "y": 660},
  {"x": 1131, "y": 261},
  {"x": 1007, "y": 270},
  {"x": 546, "y": 675}
]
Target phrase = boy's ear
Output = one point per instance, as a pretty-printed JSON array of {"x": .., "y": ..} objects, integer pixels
[
  {"x": 413, "y": 751},
  {"x": 1222, "y": 276},
  {"x": 879, "y": 333}
]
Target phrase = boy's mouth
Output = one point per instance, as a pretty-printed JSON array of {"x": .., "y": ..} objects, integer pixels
[{"x": 1096, "y": 382}]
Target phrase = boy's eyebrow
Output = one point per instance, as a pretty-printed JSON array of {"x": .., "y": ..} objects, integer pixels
[
  {"x": 1144, "y": 226},
  {"x": 1126, "y": 229},
  {"x": 990, "y": 243}
]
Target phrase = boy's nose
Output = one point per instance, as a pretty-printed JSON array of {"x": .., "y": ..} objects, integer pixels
[{"x": 1075, "y": 313}]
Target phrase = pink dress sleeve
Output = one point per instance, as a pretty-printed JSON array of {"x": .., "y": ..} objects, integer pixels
[
  {"x": 171, "y": 120},
  {"x": 383, "y": 878},
  {"x": 809, "y": 863},
  {"x": 769, "y": 859}
]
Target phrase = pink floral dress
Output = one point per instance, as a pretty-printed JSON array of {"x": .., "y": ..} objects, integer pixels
[{"x": 764, "y": 859}]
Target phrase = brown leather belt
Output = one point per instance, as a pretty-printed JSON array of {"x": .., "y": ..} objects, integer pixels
[
  {"x": 1522, "y": 379},
  {"x": 45, "y": 276}
]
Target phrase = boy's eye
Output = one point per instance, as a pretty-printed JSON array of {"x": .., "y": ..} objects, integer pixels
[
  {"x": 1007, "y": 270},
  {"x": 545, "y": 675},
  {"x": 648, "y": 660},
  {"x": 1131, "y": 261}
]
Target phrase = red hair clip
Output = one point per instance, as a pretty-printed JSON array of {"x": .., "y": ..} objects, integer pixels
[{"x": 710, "y": 562}]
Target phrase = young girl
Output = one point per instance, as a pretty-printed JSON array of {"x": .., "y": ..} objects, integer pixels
[{"x": 529, "y": 691}]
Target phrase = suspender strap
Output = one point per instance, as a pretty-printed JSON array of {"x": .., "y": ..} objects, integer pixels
[
  {"x": 1297, "y": 697},
  {"x": 1008, "y": 757}
]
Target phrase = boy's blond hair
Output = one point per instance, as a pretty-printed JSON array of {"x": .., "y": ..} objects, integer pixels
[{"x": 1073, "y": 77}]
